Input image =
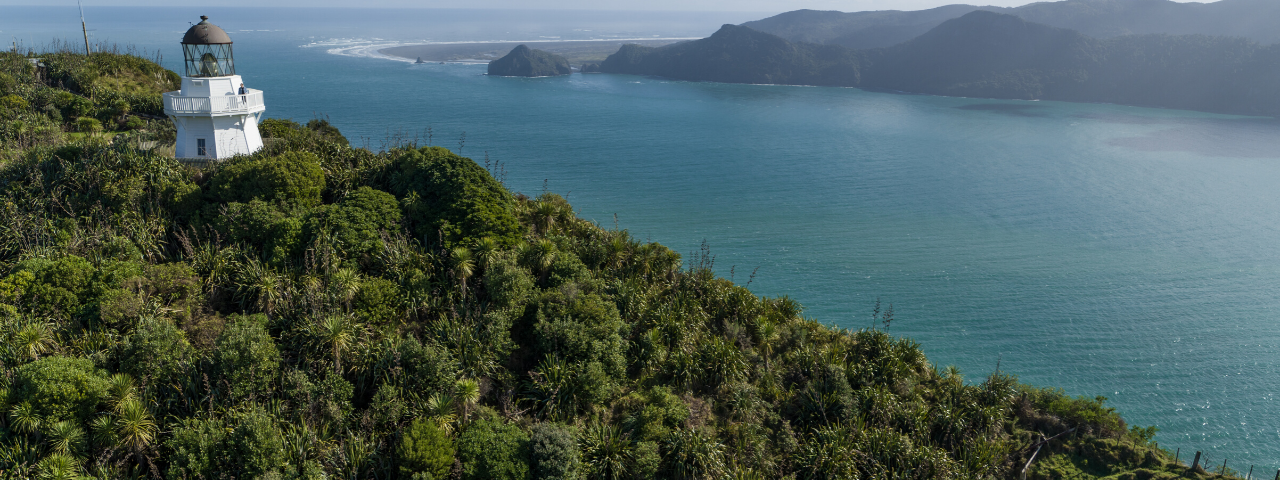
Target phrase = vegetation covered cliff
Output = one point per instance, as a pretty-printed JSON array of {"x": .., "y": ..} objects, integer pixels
[
  {"x": 1251, "y": 19},
  {"x": 992, "y": 55},
  {"x": 320, "y": 311},
  {"x": 523, "y": 61}
]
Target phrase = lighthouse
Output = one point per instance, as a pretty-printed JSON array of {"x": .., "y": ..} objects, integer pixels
[{"x": 215, "y": 119}]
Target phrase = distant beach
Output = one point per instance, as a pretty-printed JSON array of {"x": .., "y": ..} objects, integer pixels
[{"x": 576, "y": 51}]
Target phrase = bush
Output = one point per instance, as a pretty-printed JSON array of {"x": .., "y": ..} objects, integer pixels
[
  {"x": 88, "y": 125},
  {"x": 156, "y": 350},
  {"x": 554, "y": 452},
  {"x": 246, "y": 356},
  {"x": 262, "y": 225},
  {"x": 14, "y": 102},
  {"x": 134, "y": 123},
  {"x": 492, "y": 450},
  {"x": 60, "y": 388},
  {"x": 448, "y": 195},
  {"x": 582, "y": 330},
  {"x": 378, "y": 301},
  {"x": 245, "y": 444},
  {"x": 359, "y": 221},
  {"x": 424, "y": 448},
  {"x": 293, "y": 177}
]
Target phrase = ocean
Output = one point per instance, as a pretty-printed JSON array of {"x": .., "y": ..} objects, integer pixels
[{"x": 1106, "y": 250}]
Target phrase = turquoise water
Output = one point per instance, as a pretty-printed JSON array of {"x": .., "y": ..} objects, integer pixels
[{"x": 1107, "y": 250}]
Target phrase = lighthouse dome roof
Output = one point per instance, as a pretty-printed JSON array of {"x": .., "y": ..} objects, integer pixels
[{"x": 205, "y": 33}]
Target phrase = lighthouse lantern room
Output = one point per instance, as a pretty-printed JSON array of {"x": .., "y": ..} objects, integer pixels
[{"x": 215, "y": 117}]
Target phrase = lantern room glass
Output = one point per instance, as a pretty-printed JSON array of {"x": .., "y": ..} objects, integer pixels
[{"x": 209, "y": 60}]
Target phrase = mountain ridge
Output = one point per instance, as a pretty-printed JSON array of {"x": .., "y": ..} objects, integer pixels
[
  {"x": 1251, "y": 19},
  {"x": 992, "y": 55}
]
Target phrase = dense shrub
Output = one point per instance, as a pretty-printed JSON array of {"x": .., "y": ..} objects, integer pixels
[
  {"x": 424, "y": 449},
  {"x": 247, "y": 358},
  {"x": 156, "y": 352},
  {"x": 553, "y": 451},
  {"x": 294, "y": 178},
  {"x": 359, "y": 222},
  {"x": 60, "y": 388},
  {"x": 88, "y": 125},
  {"x": 245, "y": 444},
  {"x": 449, "y": 198},
  {"x": 493, "y": 450}
]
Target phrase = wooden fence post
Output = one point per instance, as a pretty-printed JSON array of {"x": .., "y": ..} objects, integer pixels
[
  {"x": 1196, "y": 462},
  {"x": 1176, "y": 455}
]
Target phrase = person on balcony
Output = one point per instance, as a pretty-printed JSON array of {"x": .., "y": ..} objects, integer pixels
[{"x": 243, "y": 98}]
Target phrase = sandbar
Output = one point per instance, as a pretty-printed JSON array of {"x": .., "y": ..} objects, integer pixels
[{"x": 577, "y": 52}]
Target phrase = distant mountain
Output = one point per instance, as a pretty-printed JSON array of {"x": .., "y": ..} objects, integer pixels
[
  {"x": 523, "y": 61},
  {"x": 992, "y": 55},
  {"x": 737, "y": 54},
  {"x": 1252, "y": 19}
]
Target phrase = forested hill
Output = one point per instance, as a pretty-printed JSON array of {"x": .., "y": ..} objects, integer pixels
[
  {"x": 1252, "y": 19},
  {"x": 320, "y": 311},
  {"x": 985, "y": 54}
]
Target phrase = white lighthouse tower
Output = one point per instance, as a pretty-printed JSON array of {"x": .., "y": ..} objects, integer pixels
[{"x": 214, "y": 119}]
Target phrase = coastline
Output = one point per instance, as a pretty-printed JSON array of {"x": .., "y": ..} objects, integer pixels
[{"x": 576, "y": 51}]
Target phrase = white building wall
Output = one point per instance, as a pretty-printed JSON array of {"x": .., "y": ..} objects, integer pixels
[{"x": 224, "y": 135}]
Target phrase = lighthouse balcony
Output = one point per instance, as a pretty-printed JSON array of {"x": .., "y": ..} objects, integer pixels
[{"x": 233, "y": 104}]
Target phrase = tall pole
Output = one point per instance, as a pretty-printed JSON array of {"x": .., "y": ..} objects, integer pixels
[{"x": 83, "y": 29}]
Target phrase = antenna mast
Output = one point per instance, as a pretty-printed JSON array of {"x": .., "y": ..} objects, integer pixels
[{"x": 83, "y": 28}]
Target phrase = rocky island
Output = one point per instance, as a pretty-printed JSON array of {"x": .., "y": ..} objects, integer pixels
[{"x": 527, "y": 62}]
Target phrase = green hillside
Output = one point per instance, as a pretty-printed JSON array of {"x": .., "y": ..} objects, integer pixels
[
  {"x": 49, "y": 99},
  {"x": 320, "y": 311}
]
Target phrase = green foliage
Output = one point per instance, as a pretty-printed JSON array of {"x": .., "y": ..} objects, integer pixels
[
  {"x": 88, "y": 125},
  {"x": 449, "y": 198},
  {"x": 553, "y": 451},
  {"x": 294, "y": 178},
  {"x": 247, "y": 357},
  {"x": 359, "y": 221},
  {"x": 13, "y": 102},
  {"x": 59, "y": 388},
  {"x": 271, "y": 227},
  {"x": 246, "y": 444},
  {"x": 492, "y": 449},
  {"x": 425, "y": 449},
  {"x": 157, "y": 351},
  {"x": 316, "y": 130}
]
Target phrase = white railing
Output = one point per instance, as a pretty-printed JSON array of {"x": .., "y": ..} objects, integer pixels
[{"x": 218, "y": 104}]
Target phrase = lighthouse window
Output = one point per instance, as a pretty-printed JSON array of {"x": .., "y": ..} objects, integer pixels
[{"x": 200, "y": 148}]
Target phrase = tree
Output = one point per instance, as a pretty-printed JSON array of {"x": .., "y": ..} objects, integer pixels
[
  {"x": 468, "y": 391},
  {"x": 337, "y": 333},
  {"x": 462, "y": 266},
  {"x": 156, "y": 349},
  {"x": 425, "y": 448},
  {"x": 135, "y": 426}
]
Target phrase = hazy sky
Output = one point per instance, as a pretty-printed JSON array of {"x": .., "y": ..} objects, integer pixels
[{"x": 705, "y": 5}]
